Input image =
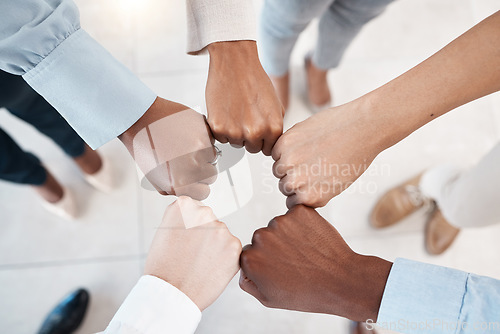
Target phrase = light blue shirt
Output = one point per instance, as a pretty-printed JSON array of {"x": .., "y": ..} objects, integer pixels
[
  {"x": 424, "y": 298},
  {"x": 42, "y": 41}
]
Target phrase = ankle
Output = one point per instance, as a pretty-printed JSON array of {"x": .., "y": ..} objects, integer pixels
[
  {"x": 317, "y": 84},
  {"x": 89, "y": 162},
  {"x": 51, "y": 191}
]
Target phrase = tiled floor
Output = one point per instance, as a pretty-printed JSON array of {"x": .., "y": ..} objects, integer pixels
[{"x": 42, "y": 257}]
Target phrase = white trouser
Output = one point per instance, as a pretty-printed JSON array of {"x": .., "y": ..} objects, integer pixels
[{"x": 469, "y": 198}]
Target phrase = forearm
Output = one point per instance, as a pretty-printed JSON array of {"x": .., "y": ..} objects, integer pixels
[
  {"x": 466, "y": 69},
  {"x": 98, "y": 96}
]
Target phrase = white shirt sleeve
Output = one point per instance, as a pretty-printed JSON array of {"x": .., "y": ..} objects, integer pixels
[
  {"x": 155, "y": 307},
  {"x": 42, "y": 40},
  {"x": 212, "y": 21}
]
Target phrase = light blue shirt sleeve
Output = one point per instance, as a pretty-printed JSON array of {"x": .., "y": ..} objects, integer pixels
[
  {"x": 424, "y": 298},
  {"x": 42, "y": 41}
]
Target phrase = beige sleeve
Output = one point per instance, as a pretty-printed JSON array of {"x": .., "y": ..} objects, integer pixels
[{"x": 212, "y": 21}]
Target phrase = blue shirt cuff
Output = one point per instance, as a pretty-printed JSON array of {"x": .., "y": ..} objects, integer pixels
[
  {"x": 98, "y": 96},
  {"x": 421, "y": 297}
]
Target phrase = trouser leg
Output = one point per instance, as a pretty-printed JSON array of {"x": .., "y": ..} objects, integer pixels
[
  {"x": 17, "y": 165},
  {"x": 468, "y": 198},
  {"x": 22, "y": 101},
  {"x": 339, "y": 25},
  {"x": 281, "y": 23}
]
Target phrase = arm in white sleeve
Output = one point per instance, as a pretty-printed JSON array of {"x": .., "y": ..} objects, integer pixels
[
  {"x": 212, "y": 21},
  {"x": 424, "y": 298},
  {"x": 42, "y": 41},
  {"x": 155, "y": 307}
]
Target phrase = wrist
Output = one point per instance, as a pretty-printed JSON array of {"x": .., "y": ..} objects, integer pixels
[
  {"x": 160, "y": 108},
  {"x": 370, "y": 280},
  {"x": 234, "y": 51},
  {"x": 353, "y": 287},
  {"x": 385, "y": 125}
]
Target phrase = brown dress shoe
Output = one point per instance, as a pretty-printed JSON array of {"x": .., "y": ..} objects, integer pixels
[
  {"x": 397, "y": 204},
  {"x": 282, "y": 88},
  {"x": 439, "y": 234}
]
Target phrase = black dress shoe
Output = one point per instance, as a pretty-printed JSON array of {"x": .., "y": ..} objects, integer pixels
[{"x": 66, "y": 317}]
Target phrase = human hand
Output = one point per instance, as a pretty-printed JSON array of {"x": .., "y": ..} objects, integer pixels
[
  {"x": 300, "y": 262},
  {"x": 194, "y": 252},
  {"x": 320, "y": 157},
  {"x": 241, "y": 104},
  {"x": 173, "y": 147}
]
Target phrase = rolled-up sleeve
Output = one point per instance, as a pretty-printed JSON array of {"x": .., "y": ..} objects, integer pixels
[
  {"x": 212, "y": 21},
  {"x": 424, "y": 298},
  {"x": 42, "y": 40}
]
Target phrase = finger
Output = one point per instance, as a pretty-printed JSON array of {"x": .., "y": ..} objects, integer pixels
[
  {"x": 280, "y": 169},
  {"x": 207, "y": 154},
  {"x": 197, "y": 191},
  {"x": 250, "y": 287},
  {"x": 212, "y": 178},
  {"x": 237, "y": 142},
  {"x": 254, "y": 146},
  {"x": 161, "y": 191},
  {"x": 267, "y": 148},
  {"x": 291, "y": 201},
  {"x": 188, "y": 203},
  {"x": 246, "y": 262},
  {"x": 221, "y": 138},
  {"x": 277, "y": 149},
  {"x": 160, "y": 178},
  {"x": 209, "y": 130},
  {"x": 247, "y": 247},
  {"x": 270, "y": 141},
  {"x": 237, "y": 145},
  {"x": 286, "y": 185}
]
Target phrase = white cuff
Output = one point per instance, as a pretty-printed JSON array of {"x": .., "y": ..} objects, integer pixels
[
  {"x": 98, "y": 96},
  {"x": 155, "y": 307},
  {"x": 211, "y": 21}
]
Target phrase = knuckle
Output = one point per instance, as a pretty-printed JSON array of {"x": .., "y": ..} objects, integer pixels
[
  {"x": 259, "y": 236},
  {"x": 233, "y": 133},
  {"x": 220, "y": 229},
  {"x": 277, "y": 222},
  {"x": 206, "y": 211},
  {"x": 284, "y": 141},
  {"x": 214, "y": 124},
  {"x": 235, "y": 245},
  {"x": 276, "y": 128},
  {"x": 246, "y": 261},
  {"x": 183, "y": 200},
  {"x": 254, "y": 133}
]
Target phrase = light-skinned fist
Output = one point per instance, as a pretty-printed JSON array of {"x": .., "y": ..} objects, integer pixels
[{"x": 194, "y": 252}]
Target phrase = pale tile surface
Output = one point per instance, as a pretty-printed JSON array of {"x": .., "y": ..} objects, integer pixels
[{"x": 42, "y": 258}]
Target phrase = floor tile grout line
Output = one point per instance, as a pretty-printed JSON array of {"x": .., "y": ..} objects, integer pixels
[{"x": 72, "y": 262}]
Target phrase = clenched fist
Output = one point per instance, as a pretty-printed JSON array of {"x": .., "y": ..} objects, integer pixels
[
  {"x": 241, "y": 104},
  {"x": 300, "y": 262},
  {"x": 322, "y": 156},
  {"x": 173, "y": 147},
  {"x": 194, "y": 252}
]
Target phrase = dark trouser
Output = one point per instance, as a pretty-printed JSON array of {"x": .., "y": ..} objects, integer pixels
[{"x": 22, "y": 101}]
